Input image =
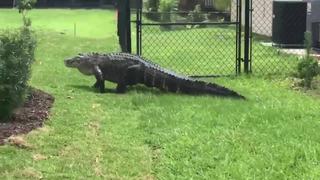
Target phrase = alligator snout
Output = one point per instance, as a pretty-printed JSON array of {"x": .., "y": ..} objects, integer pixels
[{"x": 68, "y": 62}]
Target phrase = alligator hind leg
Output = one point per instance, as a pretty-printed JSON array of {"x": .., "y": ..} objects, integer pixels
[
  {"x": 130, "y": 77},
  {"x": 121, "y": 88}
]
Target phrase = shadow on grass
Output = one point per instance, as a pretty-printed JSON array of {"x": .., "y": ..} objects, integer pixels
[
  {"x": 138, "y": 89},
  {"x": 90, "y": 89},
  {"x": 145, "y": 90}
]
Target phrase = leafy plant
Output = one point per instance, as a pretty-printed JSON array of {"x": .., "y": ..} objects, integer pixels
[
  {"x": 152, "y": 8},
  {"x": 24, "y": 6},
  {"x": 166, "y": 7},
  {"x": 222, "y": 5},
  {"x": 197, "y": 15},
  {"x": 308, "y": 67},
  {"x": 16, "y": 57}
]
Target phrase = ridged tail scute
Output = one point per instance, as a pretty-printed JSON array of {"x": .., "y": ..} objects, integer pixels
[
  {"x": 172, "y": 83},
  {"x": 210, "y": 88}
]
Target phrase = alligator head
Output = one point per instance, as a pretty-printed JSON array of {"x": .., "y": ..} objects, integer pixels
[
  {"x": 84, "y": 63},
  {"x": 76, "y": 61}
]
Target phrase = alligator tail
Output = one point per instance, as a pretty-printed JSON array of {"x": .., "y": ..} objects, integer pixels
[
  {"x": 201, "y": 87},
  {"x": 168, "y": 81}
]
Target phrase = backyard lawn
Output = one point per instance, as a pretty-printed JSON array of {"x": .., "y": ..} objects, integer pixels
[{"x": 147, "y": 134}]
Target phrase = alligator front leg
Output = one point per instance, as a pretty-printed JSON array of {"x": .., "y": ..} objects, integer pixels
[
  {"x": 96, "y": 85},
  {"x": 122, "y": 83},
  {"x": 100, "y": 81}
]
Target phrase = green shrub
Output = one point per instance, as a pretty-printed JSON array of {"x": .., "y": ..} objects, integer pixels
[
  {"x": 16, "y": 57},
  {"x": 219, "y": 5},
  {"x": 197, "y": 15},
  {"x": 222, "y": 5},
  {"x": 151, "y": 5},
  {"x": 152, "y": 9},
  {"x": 166, "y": 8},
  {"x": 187, "y": 5},
  {"x": 308, "y": 67}
]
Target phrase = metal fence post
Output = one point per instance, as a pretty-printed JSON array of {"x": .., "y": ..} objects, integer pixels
[
  {"x": 247, "y": 37},
  {"x": 238, "y": 37},
  {"x": 124, "y": 26},
  {"x": 138, "y": 26}
]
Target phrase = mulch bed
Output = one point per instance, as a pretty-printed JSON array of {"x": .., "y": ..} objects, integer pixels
[{"x": 28, "y": 117}]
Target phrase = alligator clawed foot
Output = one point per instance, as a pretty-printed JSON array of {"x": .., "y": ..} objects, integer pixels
[{"x": 95, "y": 86}]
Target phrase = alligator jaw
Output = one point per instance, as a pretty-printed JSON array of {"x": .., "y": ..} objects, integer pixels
[{"x": 68, "y": 63}]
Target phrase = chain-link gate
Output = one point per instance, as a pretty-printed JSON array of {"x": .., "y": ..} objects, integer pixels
[
  {"x": 190, "y": 42},
  {"x": 259, "y": 36}
]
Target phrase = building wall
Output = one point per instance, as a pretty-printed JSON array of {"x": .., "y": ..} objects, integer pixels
[
  {"x": 314, "y": 23},
  {"x": 6, "y": 3},
  {"x": 261, "y": 15},
  {"x": 313, "y": 14}
]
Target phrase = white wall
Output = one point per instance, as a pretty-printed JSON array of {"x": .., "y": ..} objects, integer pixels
[{"x": 261, "y": 15}]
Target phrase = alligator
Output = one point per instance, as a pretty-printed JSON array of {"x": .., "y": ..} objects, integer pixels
[{"x": 127, "y": 69}]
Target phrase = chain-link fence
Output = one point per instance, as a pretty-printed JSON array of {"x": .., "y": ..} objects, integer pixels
[
  {"x": 214, "y": 42},
  {"x": 195, "y": 42},
  {"x": 206, "y": 50}
]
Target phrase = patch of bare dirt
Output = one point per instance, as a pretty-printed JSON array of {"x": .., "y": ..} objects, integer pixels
[{"x": 28, "y": 117}]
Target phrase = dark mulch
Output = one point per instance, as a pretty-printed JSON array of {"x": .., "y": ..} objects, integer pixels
[{"x": 28, "y": 117}]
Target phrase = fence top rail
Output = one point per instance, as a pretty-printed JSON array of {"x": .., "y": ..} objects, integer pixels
[
  {"x": 189, "y": 23},
  {"x": 186, "y": 12}
]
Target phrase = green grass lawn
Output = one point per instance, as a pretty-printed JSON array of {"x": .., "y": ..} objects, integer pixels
[{"x": 147, "y": 134}]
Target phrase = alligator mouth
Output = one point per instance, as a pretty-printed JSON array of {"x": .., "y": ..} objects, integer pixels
[{"x": 68, "y": 62}]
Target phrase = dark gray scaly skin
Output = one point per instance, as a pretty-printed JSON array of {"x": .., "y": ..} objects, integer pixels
[{"x": 128, "y": 69}]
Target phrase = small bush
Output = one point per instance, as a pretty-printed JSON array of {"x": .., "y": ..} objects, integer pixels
[
  {"x": 153, "y": 15},
  {"x": 152, "y": 5},
  {"x": 16, "y": 57},
  {"x": 187, "y": 5},
  {"x": 308, "y": 67},
  {"x": 197, "y": 15},
  {"x": 166, "y": 8},
  {"x": 222, "y": 5},
  {"x": 152, "y": 9}
]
